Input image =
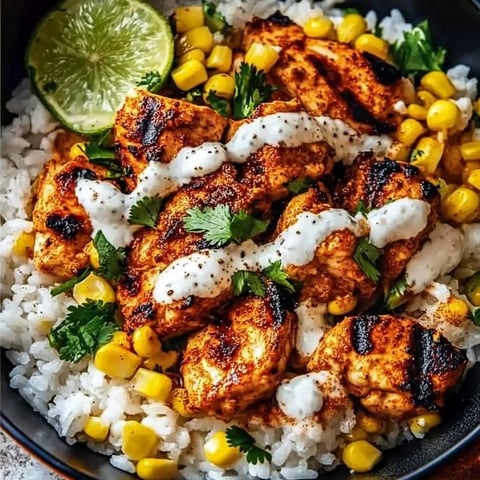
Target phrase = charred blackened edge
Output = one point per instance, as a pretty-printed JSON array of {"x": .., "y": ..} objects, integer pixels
[
  {"x": 67, "y": 226},
  {"x": 67, "y": 178},
  {"x": 361, "y": 329},
  {"x": 154, "y": 119},
  {"x": 279, "y": 19},
  {"x": 279, "y": 301},
  {"x": 385, "y": 73}
]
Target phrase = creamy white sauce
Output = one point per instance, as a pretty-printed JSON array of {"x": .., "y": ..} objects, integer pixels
[
  {"x": 287, "y": 129},
  {"x": 471, "y": 252},
  {"x": 208, "y": 272},
  {"x": 312, "y": 324},
  {"x": 398, "y": 220},
  {"x": 301, "y": 396},
  {"x": 441, "y": 253}
]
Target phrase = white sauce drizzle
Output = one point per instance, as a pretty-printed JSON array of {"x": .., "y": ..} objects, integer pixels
[
  {"x": 208, "y": 272},
  {"x": 312, "y": 324},
  {"x": 290, "y": 129},
  {"x": 441, "y": 253},
  {"x": 399, "y": 220}
]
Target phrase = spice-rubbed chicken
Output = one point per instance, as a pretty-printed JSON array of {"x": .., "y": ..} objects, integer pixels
[
  {"x": 373, "y": 184},
  {"x": 152, "y": 128},
  {"x": 241, "y": 358},
  {"x": 331, "y": 78},
  {"x": 396, "y": 367}
]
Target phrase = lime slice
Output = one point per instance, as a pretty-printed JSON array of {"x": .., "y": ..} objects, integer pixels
[{"x": 86, "y": 55}]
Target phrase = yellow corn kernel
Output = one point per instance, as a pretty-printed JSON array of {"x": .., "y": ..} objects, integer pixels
[
  {"x": 77, "y": 150},
  {"x": 399, "y": 152},
  {"x": 356, "y": 434},
  {"x": 92, "y": 253},
  {"x": 262, "y": 56},
  {"x": 222, "y": 84},
  {"x": 361, "y": 456},
  {"x": 220, "y": 58},
  {"x": 428, "y": 154},
  {"x": 146, "y": 342},
  {"x": 162, "y": 361},
  {"x": 152, "y": 384},
  {"x": 351, "y": 27},
  {"x": 458, "y": 307},
  {"x": 121, "y": 339},
  {"x": 96, "y": 429},
  {"x": 200, "y": 37},
  {"x": 189, "y": 75},
  {"x": 195, "y": 54},
  {"x": 93, "y": 287},
  {"x": 157, "y": 469},
  {"x": 367, "y": 42},
  {"x": 470, "y": 151},
  {"x": 417, "y": 111},
  {"x": 24, "y": 244},
  {"x": 319, "y": 27},
  {"x": 370, "y": 423},
  {"x": 442, "y": 115},
  {"x": 442, "y": 186},
  {"x": 188, "y": 18},
  {"x": 425, "y": 98},
  {"x": 179, "y": 399},
  {"x": 439, "y": 84},
  {"x": 461, "y": 205},
  {"x": 409, "y": 130},
  {"x": 116, "y": 362},
  {"x": 422, "y": 424},
  {"x": 138, "y": 441},
  {"x": 474, "y": 178},
  {"x": 474, "y": 296},
  {"x": 342, "y": 305},
  {"x": 219, "y": 452}
]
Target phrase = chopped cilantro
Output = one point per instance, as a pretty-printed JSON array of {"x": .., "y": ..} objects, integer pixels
[
  {"x": 238, "y": 437},
  {"x": 276, "y": 274},
  {"x": 112, "y": 260},
  {"x": 244, "y": 282},
  {"x": 366, "y": 255},
  {"x": 396, "y": 294},
  {"x": 299, "y": 185},
  {"x": 213, "y": 18},
  {"x": 152, "y": 81},
  {"x": 219, "y": 104},
  {"x": 145, "y": 211}
]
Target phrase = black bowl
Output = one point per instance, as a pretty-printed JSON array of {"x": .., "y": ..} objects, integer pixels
[{"x": 456, "y": 27}]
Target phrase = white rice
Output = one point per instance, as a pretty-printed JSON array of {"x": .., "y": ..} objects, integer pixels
[{"x": 67, "y": 394}]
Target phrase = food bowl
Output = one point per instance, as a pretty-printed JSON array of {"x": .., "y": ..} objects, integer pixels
[{"x": 454, "y": 27}]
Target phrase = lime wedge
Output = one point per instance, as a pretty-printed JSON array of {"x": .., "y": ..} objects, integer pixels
[{"x": 86, "y": 55}]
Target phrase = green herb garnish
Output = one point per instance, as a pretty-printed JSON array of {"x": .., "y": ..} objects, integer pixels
[
  {"x": 69, "y": 284},
  {"x": 299, "y": 185},
  {"x": 251, "y": 89},
  {"x": 219, "y": 104},
  {"x": 85, "y": 328},
  {"x": 146, "y": 211},
  {"x": 193, "y": 95},
  {"x": 238, "y": 437},
  {"x": 104, "y": 156},
  {"x": 244, "y": 281},
  {"x": 415, "y": 53},
  {"x": 112, "y": 260},
  {"x": 362, "y": 208},
  {"x": 397, "y": 292},
  {"x": 476, "y": 316},
  {"x": 350, "y": 10},
  {"x": 214, "y": 19},
  {"x": 151, "y": 81},
  {"x": 276, "y": 274},
  {"x": 366, "y": 255},
  {"x": 220, "y": 226},
  {"x": 416, "y": 154}
]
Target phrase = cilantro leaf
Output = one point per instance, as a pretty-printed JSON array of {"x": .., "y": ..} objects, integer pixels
[
  {"x": 104, "y": 156},
  {"x": 350, "y": 10},
  {"x": 362, "y": 208},
  {"x": 244, "y": 282},
  {"x": 219, "y": 226},
  {"x": 145, "y": 211},
  {"x": 214, "y": 19},
  {"x": 416, "y": 154},
  {"x": 112, "y": 260},
  {"x": 69, "y": 284},
  {"x": 152, "y": 81},
  {"x": 251, "y": 90},
  {"x": 220, "y": 105},
  {"x": 193, "y": 95},
  {"x": 299, "y": 185},
  {"x": 276, "y": 274},
  {"x": 85, "y": 328},
  {"x": 366, "y": 256},
  {"x": 476, "y": 316},
  {"x": 397, "y": 292},
  {"x": 238, "y": 437},
  {"x": 415, "y": 53}
]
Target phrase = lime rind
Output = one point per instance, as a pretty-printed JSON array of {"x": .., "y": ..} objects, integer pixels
[{"x": 85, "y": 56}]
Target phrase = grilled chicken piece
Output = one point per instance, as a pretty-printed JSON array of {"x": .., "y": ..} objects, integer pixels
[
  {"x": 61, "y": 225},
  {"x": 330, "y": 78},
  {"x": 333, "y": 273},
  {"x": 238, "y": 360},
  {"x": 396, "y": 367},
  {"x": 152, "y": 128},
  {"x": 374, "y": 184},
  {"x": 250, "y": 187}
]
